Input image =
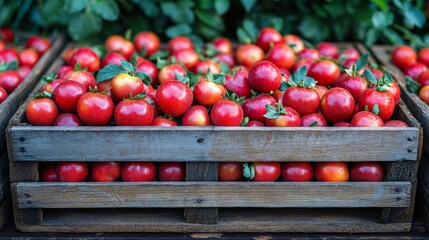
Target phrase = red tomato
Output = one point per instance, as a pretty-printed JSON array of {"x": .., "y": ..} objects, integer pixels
[
  {"x": 337, "y": 105},
  {"x": 239, "y": 84},
  {"x": 297, "y": 172},
  {"x": 112, "y": 58},
  {"x": 366, "y": 119},
  {"x": 309, "y": 53},
  {"x": 312, "y": 118},
  {"x": 106, "y": 171},
  {"x": 149, "y": 68},
  {"x": 148, "y": 41},
  {"x": 282, "y": 56},
  {"x": 266, "y": 171},
  {"x": 423, "y": 79},
  {"x": 331, "y": 172},
  {"x": 230, "y": 171},
  {"x": 133, "y": 112},
  {"x": 7, "y": 34},
  {"x": 290, "y": 119},
  {"x": 40, "y": 44},
  {"x": 384, "y": 101},
  {"x": 414, "y": 70},
  {"x": 163, "y": 122},
  {"x": 226, "y": 113},
  {"x": 123, "y": 85},
  {"x": 351, "y": 53},
  {"x": 50, "y": 86},
  {"x": 10, "y": 80},
  {"x": 67, "y": 95},
  {"x": 402, "y": 56},
  {"x": 177, "y": 43},
  {"x": 424, "y": 94},
  {"x": 254, "y": 108},
  {"x": 295, "y": 42},
  {"x": 395, "y": 123},
  {"x": 223, "y": 45},
  {"x": 24, "y": 71},
  {"x": 303, "y": 100},
  {"x": 208, "y": 93},
  {"x": 249, "y": 54},
  {"x": 3, "y": 94},
  {"x": 72, "y": 171},
  {"x": 356, "y": 85},
  {"x": 28, "y": 57},
  {"x": 41, "y": 112},
  {"x": 138, "y": 172},
  {"x": 395, "y": 90},
  {"x": 227, "y": 58},
  {"x": 196, "y": 116},
  {"x": 264, "y": 77},
  {"x": 328, "y": 50},
  {"x": 87, "y": 59},
  {"x": 2, "y": 47},
  {"x": 255, "y": 124},
  {"x": 174, "y": 98},
  {"x": 325, "y": 72},
  {"x": 68, "y": 120},
  {"x": 172, "y": 172},
  {"x": 10, "y": 55},
  {"x": 342, "y": 124},
  {"x": 303, "y": 62},
  {"x": 268, "y": 36},
  {"x": 49, "y": 174},
  {"x": 169, "y": 72},
  {"x": 84, "y": 77},
  {"x": 424, "y": 56},
  {"x": 95, "y": 109},
  {"x": 188, "y": 57},
  {"x": 117, "y": 43},
  {"x": 321, "y": 90},
  {"x": 366, "y": 172},
  {"x": 63, "y": 70},
  {"x": 202, "y": 67}
]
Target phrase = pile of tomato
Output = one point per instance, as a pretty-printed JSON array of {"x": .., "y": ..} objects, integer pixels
[
  {"x": 276, "y": 81},
  {"x": 17, "y": 62},
  {"x": 415, "y": 67}
]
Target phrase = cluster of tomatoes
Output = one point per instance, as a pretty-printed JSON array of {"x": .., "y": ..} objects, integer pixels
[
  {"x": 415, "y": 67},
  {"x": 16, "y": 63},
  {"x": 228, "y": 171}
]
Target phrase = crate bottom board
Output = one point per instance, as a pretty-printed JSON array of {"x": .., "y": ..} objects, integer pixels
[{"x": 358, "y": 220}]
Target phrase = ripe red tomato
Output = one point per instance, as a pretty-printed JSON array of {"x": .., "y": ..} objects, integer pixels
[
  {"x": 290, "y": 119},
  {"x": 249, "y": 54},
  {"x": 264, "y": 77},
  {"x": 149, "y": 68},
  {"x": 10, "y": 55},
  {"x": 24, "y": 71},
  {"x": 106, "y": 171},
  {"x": 174, "y": 98},
  {"x": 325, "y": 72},
  {"x": 366, "y": 119},
  {"x": 384, "y": 101},
  {"x": 424, "y": 56},
  {"x": 3, "y": 94},
  {"x": 63, "y": 70},
  {"x": 208, "y": 93},
  {"x": 337, "y": 105},
  {"x": 172, "y": 172},
  {"x": 395, "y": 90},
  {"x": 223, "y": 45},
  {"x": 2, "y": 47},
  {"x": 28, "y": 57},
  {"x": 112, "y": 58},
  {"x": 51, "y": 85},
  {"x": 295, "y": 42},
  {"x": 169, "y": 72},
  {"x": 342, "y": 124},
  {"x": 282, "y": 56},
  {"x": 266, "y": 171},
  {"x": 297, "y": 172},
  {"x": 72, "y": 171},
  {"x": 123, "y": 85},
  {"x": 254, "y": 108},
  {"x": 148, "y": 41},
  {"x": 351, "y": 53},
  {"x": 423, "y": 79},
  {"x": 402, "y": 56},
  {"x": 10, "y": 80},
  {"x": 117, "y": 43},
  {"x": 268, "y": 36},
  {"x": 226, "y": 113},
  {"x": 395, "y": 123},
  {"x": 95, "y": 109},
  {"x": 303, "y": 100},
  {"x": 67, "y": 54},
  {"x": 239, "y": 84},
  {"x": 84, "y": 77},
  {"x": 230, "y": 171},
  {"x": 331, "y": 172},
  {"x": 313, "y": 118},
  {"x": 202, "y": 67},
  {"x": 356, "y": 85},
  {"x": 196, "y": 116},
  {"x": 424, "y": 94},
  {"x": 41, "y": 112},
  {"x": 255, "y": 124},
  {"x": 414, "y": 70},
  {"x": 188, "y": 57},
  {"x": 309, "y": 53},
  {"x": 366, "y": 172},
  {"x": 177, "y": 43},
  {"x": 40, "y": 44},
  {"x": 161, "y": 121},
  {"x": 328, "y": 50},
  {"x": 138, "y": 172},
  {"x": 7, "y": 34},
  {"x": 227, "y": 58},
  {"x": 68, "y": 120},
  {"x": 321, "y": 90},
  {"x": 87, "y": 59},
  {"x": 49, "y": 174},
  {"x": 133, "y": 112},
  {"x": 67, "y": 95}
]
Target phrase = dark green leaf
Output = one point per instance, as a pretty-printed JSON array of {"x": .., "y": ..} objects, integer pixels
[
  {"x": 107, "y": 9},
  {"x": 84, "y": 26},
  {"x": 375, "y": 109},
  {"x": 371, "y": 36},
  {"x": 244, "y": 122},
  {"x": 381, "y": 20},
  {"x": 392, "y": 36},
  {"x": 248, "y": 4},
  {"x": 221, "y": 6},
  {"x": 413, "y": 16},
  {"x": 128, "y": 67},
  {"x": 161, "y": 63},
  {"x": 284, "y": 86},
  {"x": 362, "y": 61},
  {"x": 277, "y": 23},
  {"x": 398, "y": 4},
  {"x": 177, "y": 12},
  {"x": 312, "y": 28},
  {"x": 100, "y": 50},
  {"x": 108, "y": 72},
  {"x": 224, "y": 67},
  {"x": 147, "y": 80},
  {"x": 177, "y": 30},
  {"x": 370, "y": 76},
  {"x": 193, "y": 78},
  {"x": 149, "y": 7},
  {"x": 159, "y": 54},
  {"x": 382, "y": 4},
  {"x": 219, "y": 79},
  {"x": 74, "y": 6},
  {"x": 309, "y": 82},
  {"x": 251, "y": 29},
  {"x": 412, "y": 86},
  {"x": 243, "y": 36},
  {"x": 181, "y": 78},
  {"x": 212, "y": 20},
  {"x": 314, "y": 124}
]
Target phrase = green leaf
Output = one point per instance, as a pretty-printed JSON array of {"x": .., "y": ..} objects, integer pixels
[
  {"x": 181, "y": 78},
  {"x": 312, "y": 28},
  {"x": 74, "y": 6},
  {"x": 149, "y": 7},
  {"x": 272, "y": 112},
  {"x": 159, "y": 54},
  {"x": 366, "y": 108},
  {"x": 193, "y": 78},
  {"x": 381, "y": 20},
  {"x": 127, "y": 66},
  {"x": 314, "y": 124},
  {"x": 84, "y": 26},
  {"x": 212, "y": 20},
  {"x": 362, "y": 61},
  {"x": 392, "y": 36},
  {"x": 107, "y": 9},
  {"x": 277, "y": 23},
  {"x": 382, "y": 4},
  {"x": 370, "y": 76},
  {"x": 178, "y": 30},
  {"x": 108, "y": 72},
  {"x": 243, "y": 36},
  {"x": 161, "y": 63},
  {"x": 100, "y": 50},
  {"x": 177, "y": 12},
  {"x": 248, "y": 4},
  {"x": 147, "y": 80},
  {"x": 413, "y": 16},
  {"x": 371, "y": 36},
  {"x": 221, "y": 6},
  {"x": 224, "y": 67},
  {"x": 251, "y": 29},
  {"x": 219, "y": 79},
  {"x": 375, "y": 109},
  {"x": 244, "y": 122},
  {"x": 284, "y": 86},
  {"x": 412, "y": 86}
]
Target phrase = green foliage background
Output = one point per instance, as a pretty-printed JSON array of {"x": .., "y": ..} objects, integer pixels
[{"x": 368, "y": 21}]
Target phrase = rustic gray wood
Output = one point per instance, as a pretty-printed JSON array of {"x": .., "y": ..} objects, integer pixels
[
  {"x": 213, "y": 194},
  {"x": 201, "y": 172},
  {"x": 14, "y": 100},
  {"x": 230, "y": 220}
]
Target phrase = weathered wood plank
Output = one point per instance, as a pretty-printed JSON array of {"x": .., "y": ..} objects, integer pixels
[
  {"x": 213, "y": 194},
  {"x": 230, "y": 220},
  {"x": 212, "y": 144},
  {"x": 4, "y": 174}
]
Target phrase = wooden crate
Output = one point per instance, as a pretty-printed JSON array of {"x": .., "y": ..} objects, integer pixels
[
  {"x": 201, "y": 204},
  {"x": 421, "y": 111}
]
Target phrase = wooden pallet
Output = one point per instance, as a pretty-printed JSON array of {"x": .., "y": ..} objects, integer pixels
[
  {"x": 201, "y": 204},
  {"x": 421, "y": 111}
]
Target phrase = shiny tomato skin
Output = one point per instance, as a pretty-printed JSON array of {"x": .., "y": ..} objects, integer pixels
[
  {"x": 227, "y": 58},
  {"x": 174, "y": 98},
  {"x": 202, "y": 67},
  {"x": 351, "y": 53},
  {"x": 149, "y": 68},
  {"x": 423, "y": 79},
  {"x": 331, "y": 172},
  {"x": 325, "y": 72},
  {"x": 384, "y": 100},
  {"x": 321, "y": 90},
  {"x": 328, "y": 50},
  {"x": 95, "y": 109},
  {"x": 309, "y": 53},
  {"x": 337, "y": 105},
  {"x": 177, "y": 43},
  {"x": 395, "y": 90},
  {"x": 117, "y": 43},
  {"x": 291, "y": 119},
  {"x": 264, "y": 77},
  {"x": 196, "y": 116},
  {"x": 309, "y": 119},
  {"x": 3, "y": 95},
  {"x": 208, "y": 93},
  {"x": 84, "y": 77},
  {"x": 226, "y": 113},
  {"x": 41, "y": 112},
  {"x": 123, "y": 85},
  {"x": 106, "y": 171},
  {"x": 268, "y": 36},
  {"x": 230, "y": 171},
  {"x": 67, "y": 95},
  {"x": 172, "y": 172},
  {"x": 187, "y": 56},
  {"x": 396, "y": 123},
  {"x": 24, "y": 71},
  {"x": 302, "y": 62},
  {"x": 266, "y": 171},
  {"x": 168, "y": 73},
  {"x": 72, "y": 171},
  {"x": 68, "y": 120},
  {"x": 414, "y": 70},
  {"x": 223, "y": 45},
  {"x": 161, "y": 121},
  {"x": 239, "y": 84},
  {"x": 40, "y": 44},
  {"x": 366, "y": 119},
  {"x": 50, "y": 87},
  {"x": 63, "y": 70},
  {"x": 133, "y": 113},
  {"x": 342, "y": 124},
  {"x": 366, "y": 172},
  {"x": 49, "y": 174},
  {"x": 112, "y": 58},
  {"x": 10, "y": 80},
  {"x": 2, "y": 47},
  {"x": 255, "y": 124},
  {"x": 10, "y": 55},
  {"x": 424, "y": 94},
  {"x": 28, "y": 57},
  {"x": 355, "y": 85},
  {"x": 147, "y": 40},
  {"x": 423, "y": 56},
  {"x": 297, "y": 172},
  {"x": 402, "y": 56},
  {"x": 249, "y": 54},
  {"x": 303, "y": 100},
  {"x": 254, "y": 108},
  {"x": 138, "y": 172},
  {"x": 298, "y": 44},
  {"x": 282, "y": 56},
  {"x": 87, "y": 59}
]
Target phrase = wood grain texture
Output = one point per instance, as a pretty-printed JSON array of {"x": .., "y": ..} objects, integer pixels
[
  {"x": 230, "y": 220},
  {"x": 213, "y": 194},
  {"x": 15, "y": 99}
]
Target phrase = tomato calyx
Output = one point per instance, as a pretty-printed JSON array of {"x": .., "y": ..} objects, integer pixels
[
  {"x": 77, "y": 67},
  {"x": 218, "y": 79},
  {"x": 380, "y": 84},
  {"x": 50, "y": 77},
  {"x": 138, "y": 97},
  {"x": 274, "y": 112},
  {"x": 95, "y": 90},
  {"x": 13, "y": 65},
  {"x": 354, "y": 69},
  {"x": 230, "y": 95},
  {"x": 299, "y": 79},
  {"x": 248, "y": 171},
  {"x": 112, "y": 70},
  {"x": 375, "y": 109},
  {"x": 244, "y": 122},
  {"x": 314, "y": 124},
  {"x": 190, "y": 79},
  {"x": 44, "y": 94},
  {"x": 207, "y": 52}
]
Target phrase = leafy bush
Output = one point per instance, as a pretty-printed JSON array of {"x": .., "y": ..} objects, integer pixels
[{"x": 372, "y": 21}]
